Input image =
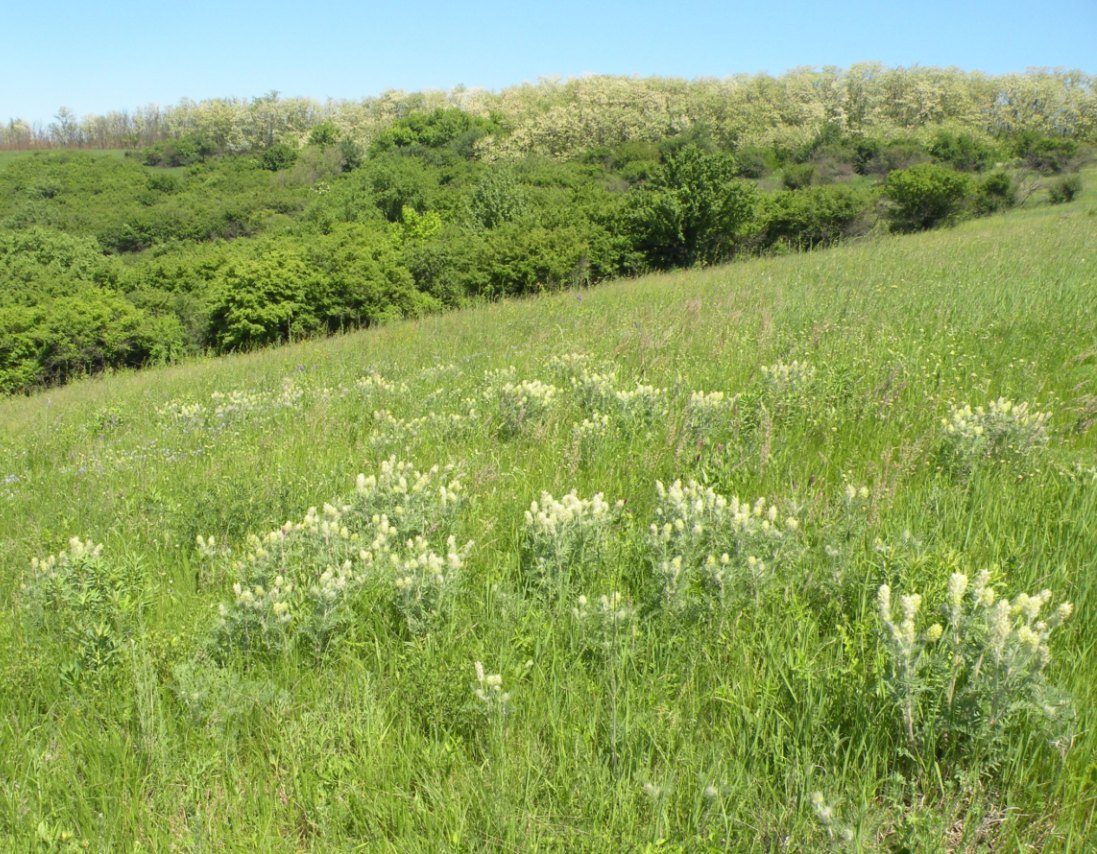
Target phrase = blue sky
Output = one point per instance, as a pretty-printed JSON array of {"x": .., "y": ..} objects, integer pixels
[{"x": 97, "y": 57}]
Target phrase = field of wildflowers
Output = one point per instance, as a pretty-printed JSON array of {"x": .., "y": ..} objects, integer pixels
[{"x": 793, "y": 555}]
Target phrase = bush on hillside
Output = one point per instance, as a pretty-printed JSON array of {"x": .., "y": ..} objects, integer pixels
[
  {"x": 926, "y": 196},
  {"x": 816, "y": 216},
  {"x": 798, "y": 175},
  {"x": 995, "y": 192},
  {"x": 1066, "y": 189},
  {"x": 1047, "y": 155},
  {"x": 278, "y": 156},
  {"x": 962, "y": 151},
  {"x": 694, "y": 211}
]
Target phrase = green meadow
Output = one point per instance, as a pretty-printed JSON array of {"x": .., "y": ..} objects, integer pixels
[{"x": 711, "y": 560}]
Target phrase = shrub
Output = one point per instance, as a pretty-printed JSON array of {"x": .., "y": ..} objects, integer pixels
[
  {"x": 279, "y": 156},
  {"x": 798, "y": 175},
  {"x": 1064, "y": 190},
  {"x": 1047, "y": 155},
  {"x": 325, "y": 133},
  {"x": 875, "y": 157},
  {"x": 996, "y": 192},
  {"x": 962, "y": 151},
  {"x": 815, "y": 216},
  {"x": 694, "y": 211},
  {"x": 926, "y": 195},
  {"x": 754, "y": 161}
]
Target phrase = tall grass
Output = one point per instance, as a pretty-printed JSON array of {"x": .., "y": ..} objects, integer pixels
[{"x": 761, "y": 715}]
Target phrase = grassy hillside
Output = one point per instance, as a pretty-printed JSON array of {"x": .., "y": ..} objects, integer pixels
[{"x": 754, "y": 701}]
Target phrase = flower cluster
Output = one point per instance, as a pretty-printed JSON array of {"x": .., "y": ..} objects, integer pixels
[
  {"x": 702, "y": 543},
  {"x": 982, "y": 666},
  {"x": 516, "y": 406},
  {"x": 710, "y": 413},
  {"x": 489, "y": 691},
  {"x": 85, "y": 603},
  {"x": 787, "y": 384},
  {"x": 588, "y": 436},
  {"x": 567, "y": 366},
  {"x": 390, "y": 430},
  {"x": 417, "y": 502},
  {"x": 301, "y": 583},
  {"x": 373, "y": 384},
  {"x": 789, "y": 375},
  {"x": 426, "y": 580},
  {"x": 561, "y": 533},
  {"x": 606, "y": 622},
  {"x": 1002, "y": 430},
  {"x": 595, "y": 391},
  {"x": 639, "y": 406},
  {"x": 227, "y": 407}
]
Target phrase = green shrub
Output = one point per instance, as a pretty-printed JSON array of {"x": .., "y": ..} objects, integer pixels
[
  {"x": 926, "y": 195},
  {"x": 754, "y": 161},
  {"x": 1065, "y": 189},
  {"x": 278, "y": 156},
  {"x": 798, "y": 175},
  {"x": 1047, "y": 155},
  {"x": 694, "y": 211},
  {"x": 996, "y": 192},
  {"x": 325, "y": 133},
  {"x": 962, "y": 151},
  {"x": 875, "y": 157},
  {"x": 816, "y": 216}
]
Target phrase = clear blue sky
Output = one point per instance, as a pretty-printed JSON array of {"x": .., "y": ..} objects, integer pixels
[{"x": 119, "y": 54}]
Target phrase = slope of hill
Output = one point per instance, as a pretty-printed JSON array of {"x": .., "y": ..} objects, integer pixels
[{"x": 420, "y": 665}]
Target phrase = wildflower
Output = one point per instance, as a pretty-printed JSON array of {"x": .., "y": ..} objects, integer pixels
[
  {"x": 489, "y": 690},
  {"x": 957, "y": 585}
]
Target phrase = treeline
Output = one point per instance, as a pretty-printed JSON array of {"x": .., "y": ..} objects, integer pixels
[
  {"x": 179, "y": 247},
  {"x": 562, "y": 118}
]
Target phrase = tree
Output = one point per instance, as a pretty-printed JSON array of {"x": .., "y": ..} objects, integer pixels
[
  {"x": 694, "y": 211},
  {"x": 261, "y": 301}
]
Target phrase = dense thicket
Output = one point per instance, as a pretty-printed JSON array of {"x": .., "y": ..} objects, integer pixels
[{"x": 241, "y": 224}]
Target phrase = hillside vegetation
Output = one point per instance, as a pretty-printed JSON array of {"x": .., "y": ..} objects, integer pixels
[
  {"x": 746, "y": 558},
  {"x": 231, "y": 225}
]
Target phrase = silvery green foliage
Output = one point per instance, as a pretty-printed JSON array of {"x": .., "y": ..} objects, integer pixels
[
  {"x": 518, "y": 406},
  {"x": 605, "y": 624},
  {"x": 706, "y": 548},
  {"x": 567, "y": 366},
  {"x": 709, "y": 413},
  {"x": 837, "y": 833},
  {"x": 633, "y": 407},
  {"x": 299, "y": 585},
  {"x": 560, "y": 534},
  {"x": 974, "y": 673},
  {"x": 88, "y": 604},
  {"x": 228, "y": 407},
  {"x": 589, "y": 435},
  {"x": 1002, "y": 430},
  {"x": 788, "y": 385}
]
